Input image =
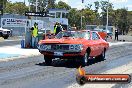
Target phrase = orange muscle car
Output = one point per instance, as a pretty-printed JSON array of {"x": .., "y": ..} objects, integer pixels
[{"x": 73, "y": 45}]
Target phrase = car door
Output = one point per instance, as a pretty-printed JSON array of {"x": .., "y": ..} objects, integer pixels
[
  {"x": 101, "y": 44},
  {"x": 96, "y": 44}
]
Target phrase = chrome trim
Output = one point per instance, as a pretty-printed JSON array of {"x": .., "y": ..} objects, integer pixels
[
  {"x": 69, "y": 51},
  {"x": 60, "y": 50}
]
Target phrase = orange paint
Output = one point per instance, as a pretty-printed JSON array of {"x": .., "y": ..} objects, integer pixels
[{"x": 103, "y": 34}]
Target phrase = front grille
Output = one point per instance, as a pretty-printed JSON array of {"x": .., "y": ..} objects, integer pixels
[{"x": 59, "y": 47}]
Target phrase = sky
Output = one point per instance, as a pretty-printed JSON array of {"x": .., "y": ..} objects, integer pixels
[{"x": 78, "y": 3}]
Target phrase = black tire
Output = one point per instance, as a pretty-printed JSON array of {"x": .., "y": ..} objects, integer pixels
[
  {"x": 106, "y": 38},
  {"x": 84, "y": 59},
  {"x": 101, "y": 56},
  {"x": 5, "y": 37},
  {"x": 1, "y": 34},
  {"x": 48, "y": 61}
]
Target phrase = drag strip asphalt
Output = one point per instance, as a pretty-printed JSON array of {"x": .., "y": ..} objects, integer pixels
[
  {"x": 33, "y": 73},
  {"x": 10, "y": 42}
]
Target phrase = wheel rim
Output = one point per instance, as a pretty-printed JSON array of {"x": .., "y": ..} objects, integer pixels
[
  {"x": 86, "y": 58},
  {"x": 103, "y": 54}
]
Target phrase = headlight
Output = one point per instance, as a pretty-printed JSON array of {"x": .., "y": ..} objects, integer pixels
[
  {"x": 76, "y": 47},
  {"x": 71, "y": 47},
  {"x": 45, "y": 47}
]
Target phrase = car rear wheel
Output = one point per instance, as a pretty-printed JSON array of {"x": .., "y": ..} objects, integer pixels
[
  {"x": 101, "y": 56},
  {"x": 48, "y": 61}
]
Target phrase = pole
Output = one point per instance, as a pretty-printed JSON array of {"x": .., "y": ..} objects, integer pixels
[
  {"x": 81, "y": 13},
  {"x": 107, "y": 23},
  {"x": 29, "y": 5},
  {"x": 36, "y": 7},
  {"x": 1, "y": 12},
  {"x": 81, "y": 20},
  {"x": 24, "y": 1}
]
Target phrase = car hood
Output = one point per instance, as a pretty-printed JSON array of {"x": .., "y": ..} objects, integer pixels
[{"x": 63, "y": 41}]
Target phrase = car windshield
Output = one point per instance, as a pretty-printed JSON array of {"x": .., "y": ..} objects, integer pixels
[
  {"x": 99, "y": 30},
  {"x": 83, "y": 34},
  {"x": 67, "y": 34},
  {"x": 73, "y": 34}
]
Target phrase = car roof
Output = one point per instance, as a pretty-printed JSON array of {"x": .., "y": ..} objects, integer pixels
[
  {"x": 85, "y": 30},
  {"x": 69, "y": 31},
  {"x": 77, "y": 30},
  {"x": 88, "y": 31}
]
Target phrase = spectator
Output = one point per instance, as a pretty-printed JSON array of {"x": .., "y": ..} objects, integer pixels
[
  {"x": 34, "y": 35},
  {"x": 74, "y": 27},
  {"x": 11, "y": 32},
  {"x": 57, "y": 28},
  {"x": 116, "y": 34}
]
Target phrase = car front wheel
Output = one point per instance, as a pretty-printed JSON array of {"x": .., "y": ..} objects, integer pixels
[
  {"x": 6, "y": 36},
  {"x": 85, "y": 59},
  {"x": 48, "y": 61}
]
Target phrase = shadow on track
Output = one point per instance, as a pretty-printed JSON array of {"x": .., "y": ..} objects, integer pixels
[{"x": 68, "y": 63}]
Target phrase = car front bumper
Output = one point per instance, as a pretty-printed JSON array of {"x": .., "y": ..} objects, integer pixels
[{"x": 63, "y": 55}]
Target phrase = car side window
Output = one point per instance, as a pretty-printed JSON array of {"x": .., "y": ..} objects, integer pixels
[
  {"x": 85, "y": 35},
  {"x": 95, "y": 36}
]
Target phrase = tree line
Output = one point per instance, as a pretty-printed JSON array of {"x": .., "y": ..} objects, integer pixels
[{"x": 120, "y": 18}]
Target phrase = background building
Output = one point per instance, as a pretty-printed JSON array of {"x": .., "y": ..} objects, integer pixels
[{"x": 46, "y": 23}]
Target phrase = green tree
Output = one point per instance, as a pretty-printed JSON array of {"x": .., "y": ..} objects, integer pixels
[
  {"x": 88, "y": 6},
  {"x": 16, "y": 8},
  {"x": 89, "y": 16},
  {"x": 103, "y": 5},
  {"x": 63, "y": 5},
  {"x": 3, "y": 3},
  {"x": 97, "y": 5},
  {"x": 42, "y": 4},
  {"x": 74, "y": 17},
  {"x": 130, "y": 21},
  {"x": 51, "y": 3},
  {"x": 122, "y": 21},
  {"x": 97, "y": 19}
]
